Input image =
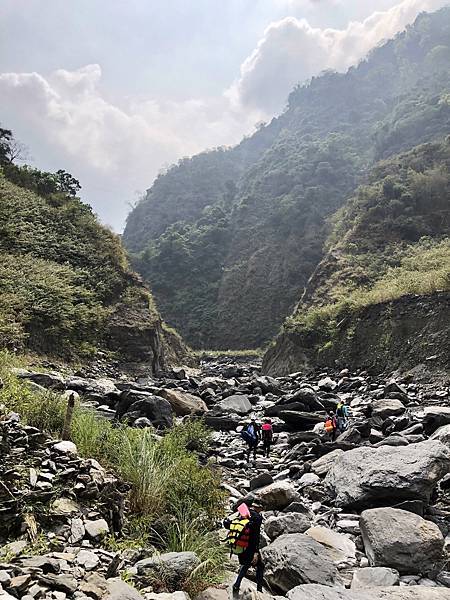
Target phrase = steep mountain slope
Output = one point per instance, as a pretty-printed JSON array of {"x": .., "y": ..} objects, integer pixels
[
  {"x": 66, "y": 288},
  {"x": 230, "y": 238},
  {"x": 380, "y": 297}
]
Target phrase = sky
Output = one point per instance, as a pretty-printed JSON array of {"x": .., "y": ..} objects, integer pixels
[{"x": 114, "y": 91}]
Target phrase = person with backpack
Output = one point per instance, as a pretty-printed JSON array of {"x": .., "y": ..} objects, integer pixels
[
  {"x": 342, "y": 416},
  {"x": 331, "y": 426},
  {"x": 267, "y": 436},
  {"x": 243, "y": 539},
  {"x": 251, "y": 435}
]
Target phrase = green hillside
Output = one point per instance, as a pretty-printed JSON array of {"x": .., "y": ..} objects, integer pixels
[
  {"x": 230, "y": 238},
  {"x": 391, "y": 239},
  {"x": 66, "y": 287}
]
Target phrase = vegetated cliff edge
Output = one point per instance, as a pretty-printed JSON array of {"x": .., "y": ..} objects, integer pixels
[
  {"x": 229, "y": 238},
  {"x": 397, "y": 334},
  {"x": 380, "y": 297},
  {"x": 66, "y": 288}
]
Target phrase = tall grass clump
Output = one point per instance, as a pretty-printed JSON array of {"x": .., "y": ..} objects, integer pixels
[{"x": 175, "y": 502}]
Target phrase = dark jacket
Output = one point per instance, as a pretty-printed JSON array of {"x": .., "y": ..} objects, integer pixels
[
  {"x": 255, "y": 533},
  {"x": 254, "y": 526}
]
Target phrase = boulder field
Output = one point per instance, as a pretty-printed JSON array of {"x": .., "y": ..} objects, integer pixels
[{"x": 363, "y": 517}]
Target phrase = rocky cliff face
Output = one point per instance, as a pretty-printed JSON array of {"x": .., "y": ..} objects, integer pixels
[{"x": 400, "y": 334}]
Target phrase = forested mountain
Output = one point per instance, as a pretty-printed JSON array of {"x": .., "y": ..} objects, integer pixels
[
  {"x": 229, "y": 238},
  {"x": 380, "y": 296},
  {"x": 66, "y": 288}
]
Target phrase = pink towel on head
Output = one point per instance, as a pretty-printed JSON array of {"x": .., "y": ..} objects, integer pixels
[{"x": 243, "y": 510}]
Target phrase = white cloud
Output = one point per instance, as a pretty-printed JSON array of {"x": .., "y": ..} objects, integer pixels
[
  {"x": 116, "y": 147},
  {"x": 291, "y": 51},
  {"x": 113, "y": 150}
]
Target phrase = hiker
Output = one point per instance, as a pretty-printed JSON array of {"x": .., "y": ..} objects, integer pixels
[
  {"x": 267, "y": 436},
  {"x": 251, "y": 435},
  {"x": 244, "y": 539},
  {"x": 331, "y": 426},
  {"x": 342, "y": 416}
]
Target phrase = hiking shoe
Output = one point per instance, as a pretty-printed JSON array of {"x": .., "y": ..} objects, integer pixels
[{"x": 235, "y": 590}]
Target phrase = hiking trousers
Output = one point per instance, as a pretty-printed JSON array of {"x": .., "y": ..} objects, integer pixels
[
  {"x": 245, "y": 560},
  {"x": 250, "y": 449},
  {"x": 266, "y": 448}
]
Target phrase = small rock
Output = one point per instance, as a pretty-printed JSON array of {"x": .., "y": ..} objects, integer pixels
[
  {"x": 66, "y": 447},
  {"x": 96, "y": 529}
]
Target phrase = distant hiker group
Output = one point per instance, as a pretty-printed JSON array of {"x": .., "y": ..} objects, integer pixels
[
  {"x": 253, "y": 434},
  {"x": 336, "y": 423}
]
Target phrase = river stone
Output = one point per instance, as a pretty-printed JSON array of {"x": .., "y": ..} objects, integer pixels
[
  {"x": 157, "y": 409},
  {"x": 323, "y": 592},
  {"x": 183, "y": 403},
  {"x": 261, "y": 480},
  {"x": 296, "y": 558},
  {"x": 387, "y": 407},
  {"x": 308, "y": 479},
  {"x": 237, "y": 403},
  {"x": 44, "y": 563},
  {"x": 401, "y": 540},
  {"x": 176, "y": 596},
  {"x": 435, "y": 417},
  {"x": 65, "y": 447},
  {"x": 363, "y": 476},
  {"x": 96, "y": 529},
  {"x": 175, "y": 567},
  {"x": 88, "y": 560},
  {"x": 287, "y": 523},
  {"x": 341, "y": 547},
  {"x": 222, "y": 422},
  {"x": 442, "y": 434},
  {"x": 299, "y": 419},
  {"x": 369, "y": 577},
  {"x": 322, "y": 465},
  {"x": 65, "y": 506},
  {"x": 119, "y": 590},
  {"x": 47, "y": 380},
  {"x": 277, "y": 495}
]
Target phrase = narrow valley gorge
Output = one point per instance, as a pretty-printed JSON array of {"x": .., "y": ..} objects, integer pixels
[{"x": 251, "y": 379}]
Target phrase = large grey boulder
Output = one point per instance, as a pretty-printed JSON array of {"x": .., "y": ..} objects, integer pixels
[
  {"x": 322, "y": 592},
  {"x": 183, "y": 403},
  {"x": 287, "y": 523},
  {"x": 222, "y": 422},
  {"x": 173, "y": 567},
  {"x": 370, "y": 577},
  {"x": 365, "y": 476},
  {"x": 322, "y": 465},
  {"x": 277, "y": 495},
  {"x": 341, "y": 547},
  {"x": 314, "y": 591},
  {"x": 47, "y": 380},
  {"x": 401, "y": 540},
  {"x": 296, "y": 558},
  {"x": 261, "y": 480},
  {"x": 237, "y": 403},
  {"x": 301, "y": 420},
  {"x": 387, "y": 407},
  {"x": 154, "y": 408},
  {"x": 435, "y": 417},
  {"x": 442, "y": 435}
]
